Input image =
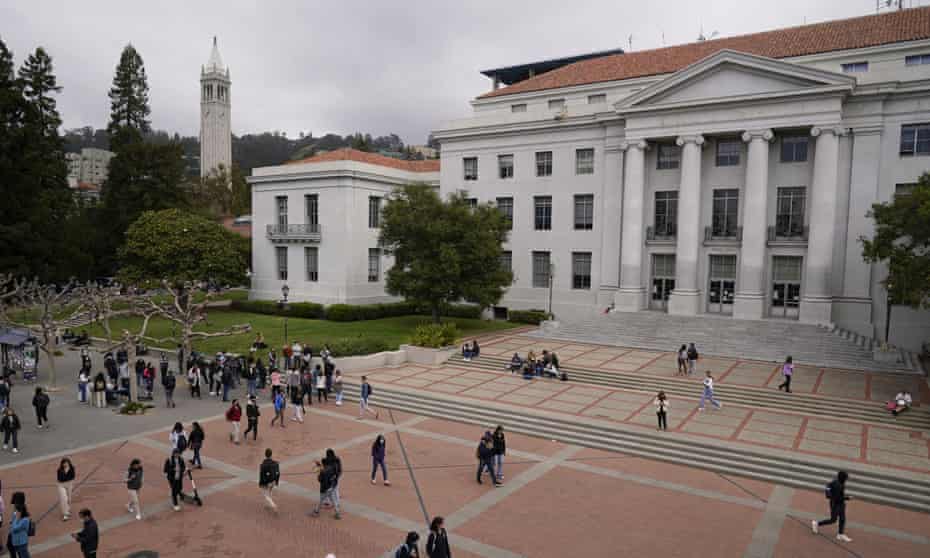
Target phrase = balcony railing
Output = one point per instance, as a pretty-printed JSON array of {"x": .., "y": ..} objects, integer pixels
[
  {"x": 665, "y": 236},
  {"x": 732, "y": 235},
  {"x": 788, "y": 235},
  {"x": 294, "y": 233}
]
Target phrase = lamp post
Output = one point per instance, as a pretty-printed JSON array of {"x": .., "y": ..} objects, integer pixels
[
  {"x": 283, "y": 305},
  {"x": 551, "y": 280}
]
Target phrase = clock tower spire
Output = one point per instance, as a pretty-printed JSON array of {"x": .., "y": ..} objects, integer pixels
[{"x": 215, "y": 105}]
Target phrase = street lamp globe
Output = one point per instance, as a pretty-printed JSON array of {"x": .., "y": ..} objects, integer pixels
[{"x": 284, "y": 291}]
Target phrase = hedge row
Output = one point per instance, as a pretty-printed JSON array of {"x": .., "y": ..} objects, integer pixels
[
  {"x": 528, "y": 316},
  {"x": 351, "y": 312}
]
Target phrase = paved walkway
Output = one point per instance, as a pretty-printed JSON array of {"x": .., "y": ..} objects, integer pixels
[{"x": 558, "y": 500}]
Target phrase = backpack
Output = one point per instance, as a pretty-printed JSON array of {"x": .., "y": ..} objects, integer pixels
[
  {"x": 828, "y": 491},
  {"x": 170, "y": 381},
  {"x": 182, "y": 443},
  {"x": 402, "y": 552},
  {"x": 692, "y": 354},
  {"x": 32, "y": 528},
  {"x": 268, "y": 473}
]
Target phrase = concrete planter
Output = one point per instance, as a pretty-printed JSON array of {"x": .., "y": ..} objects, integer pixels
[
  {"x": 426, "y": 355},
  {"x": 887, "y": 356},
  {"x": 376, "y": 360}
]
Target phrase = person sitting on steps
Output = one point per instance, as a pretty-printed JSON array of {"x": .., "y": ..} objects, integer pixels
[
  {"x": 516, "y": 363},
  {"x": 901, "y": 402}
]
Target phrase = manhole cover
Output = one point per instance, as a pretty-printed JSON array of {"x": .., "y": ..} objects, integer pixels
[{"x": 144, "y": 554}]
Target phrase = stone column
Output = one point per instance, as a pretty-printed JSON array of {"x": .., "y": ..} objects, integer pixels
[
  {"x": 685, "y": 299},
  {"x": 610, "y": 225},
  {"x": 749, "y": 300},
  {"x": 631, "y": 296},
  {"x": 816, "y": 295}
]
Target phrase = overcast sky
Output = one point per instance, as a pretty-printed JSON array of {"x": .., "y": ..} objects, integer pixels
[{"x": 376, "y": 66}]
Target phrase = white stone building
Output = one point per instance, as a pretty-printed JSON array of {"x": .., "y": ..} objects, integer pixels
[
  {"x": 90, "y": 166},
  {"x": 315, "y": 225},
  {"x": 729, "y": 176},
  {"x": 215, "y": 108}
]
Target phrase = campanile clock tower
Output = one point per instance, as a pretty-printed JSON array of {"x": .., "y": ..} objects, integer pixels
[{"x": 215, "y": 129}]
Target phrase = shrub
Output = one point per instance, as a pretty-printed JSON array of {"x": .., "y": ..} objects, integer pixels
[
  {"x": 528, "y": 316},
  {"x": 309, "y": 310},
  {"x": 434, "y": 335},
  {"x": 471, "y": 311},
  {"x": 134, "y": 408},
  {"x": 353, "y": 346},
  {"x": 352, "y": 312}
]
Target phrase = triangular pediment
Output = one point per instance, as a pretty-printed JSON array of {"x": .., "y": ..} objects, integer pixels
[{"x": 730, "y": 75}]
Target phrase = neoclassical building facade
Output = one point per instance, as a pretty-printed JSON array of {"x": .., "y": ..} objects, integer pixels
[{"x": 730, "y": 176}]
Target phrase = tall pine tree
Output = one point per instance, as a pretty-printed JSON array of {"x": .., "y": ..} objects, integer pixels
[{"x": 129, "y": 101}]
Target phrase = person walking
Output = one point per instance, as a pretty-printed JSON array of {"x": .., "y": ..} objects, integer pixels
[
  {"x": 682, "y": 358},
  {"x": 100, "y": 391},
  {"x": 251, "y": 378},
  {"x": 89, "y": 535},
  {"x": 437, "y": 544},
  {"x": 708, "y": 393},
  {"x": 169, "y": 382},
  {"x": 787, "y": 370},
  {"x": 278, "y": 409},
  {"x": 174, "y": 472},
  {"x": 378, "y": 452},
  {"x": 836, "y": 494},
  {"x": 252, "y": 413},
  {"x": 4, "y": 392},
  {"x": 337, "y": 463},
  {"x": 297, "y": 402},
  {"x": 177, "y": 437},
  {"x": 409, "y": 549},
  {"x": 234, "y": 416},
  {"x": 83, "y": 380},
  {"x": 275, "y": 381},
  {"x": 306, "y": 385},
  {"x": 500, "y": 449},
  {"x": 226, "y": 378},
  {"x": 20, "y": 525},
  {"x": 693, "y": 357},
  {"x": 326, "y": 475},
  {"x": 661, "y": 403},
  {"x": 133, "y": 486},
  {"x": 337, "y": 387},
  {"x": 194, "y": 379},
  {"x": 269, "y": 476},
  {"x": 366, "y": 392},
  {"x": 196, "y": 443},
  {"x": 320, "y": 379},
  {"x": 65, "y": 476},
  {"x": 41, "y": 401},
  {"x": 10, "y": 425},
  {"x": 485, "y": 455}
]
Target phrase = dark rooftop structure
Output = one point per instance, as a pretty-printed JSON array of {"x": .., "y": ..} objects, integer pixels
[{"x": 509, "y": 75}]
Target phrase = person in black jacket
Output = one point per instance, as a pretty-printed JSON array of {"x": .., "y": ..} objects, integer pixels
[
  {"x": 836, "y": 493},
  {"x": 89, "y": 536},
  {"x": 174, "y": 472},
  {"x": 500, "y": 450},
  {"x": 10, "y": 427},
  {"x": 252, "y": 413},
  {"x": 133, "y": 486},
  {"x": 40, "y": 401},
  {"x": 269, "y": 476},
  {"x": 437, "y": 545},
  {"x": 485, "y": 455},
  {"x": 65, "y": 476}
]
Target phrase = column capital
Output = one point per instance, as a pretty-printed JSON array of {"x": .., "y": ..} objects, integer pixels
[
  {"x": 635, "y": 144},
  {"x": 765, "y": 135},
  {"x": 835, "y": 130},
  {"x": 697, "y": 140}
]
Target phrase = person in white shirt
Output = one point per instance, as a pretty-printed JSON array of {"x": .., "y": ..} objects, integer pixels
[
  {"x": 661, "y": 403},
  {"x": 708, "y": 393},
  {"x": 903, "y": 401}
]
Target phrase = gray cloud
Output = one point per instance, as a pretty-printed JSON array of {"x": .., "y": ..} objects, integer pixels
[{"x": 378, "y": 67}]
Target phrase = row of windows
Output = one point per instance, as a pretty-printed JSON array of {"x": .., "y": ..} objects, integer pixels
[
  {"x": 542, "y": 269},
  {"x": 312, "y": 209},
  {"x": 863, "y": 66},
  {"x": 542, "y": 211},
  {"x": 584, "y": 164},
  {"x": 559, "y": 104},
  {"x": 312, "y": 264},
  {"x": 793, "y": 150}
]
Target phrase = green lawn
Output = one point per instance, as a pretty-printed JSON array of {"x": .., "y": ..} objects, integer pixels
[{"x": 391, "y": 331}]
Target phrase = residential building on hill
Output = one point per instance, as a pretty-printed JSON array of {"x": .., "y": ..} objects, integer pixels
[{"x": 90, "y": 166}]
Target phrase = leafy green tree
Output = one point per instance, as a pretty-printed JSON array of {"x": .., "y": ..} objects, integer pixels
[
  {"x": 902, "y": 239},
  {"x": 225, "y": 192},
  {"x": 129, "y": 101},
  {"x": 444, "y": 251}
]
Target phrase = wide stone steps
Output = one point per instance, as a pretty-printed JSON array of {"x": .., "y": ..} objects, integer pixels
[
  {"x": 878, "y": 485},
  {"x": 760, "y": 398},
  {"x": 766, "y": 340}
]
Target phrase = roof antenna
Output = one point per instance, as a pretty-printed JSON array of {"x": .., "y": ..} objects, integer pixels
[
  {"x": 630, "y": 40},
  {"x": 702, "y": 37},
  {"x": 214, "y": 40}
]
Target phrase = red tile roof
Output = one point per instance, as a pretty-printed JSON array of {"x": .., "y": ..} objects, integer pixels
[
  {"x": 348, "y": 154},
  {"x": 843, "y": 34}
]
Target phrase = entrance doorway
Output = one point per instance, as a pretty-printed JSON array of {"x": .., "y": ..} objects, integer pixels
[
  {"x": 722, "y": 284},
  {"x": 786, "y": 286},
  {"x": 663, "y": 280}
]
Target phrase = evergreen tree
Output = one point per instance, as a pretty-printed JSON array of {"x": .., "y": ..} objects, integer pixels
[{"x": 129, "y": 101}]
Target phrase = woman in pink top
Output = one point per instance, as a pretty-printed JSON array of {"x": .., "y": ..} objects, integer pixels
[
  {"x": 787, "y": 370},
  {"x": 275, "y": 382}
]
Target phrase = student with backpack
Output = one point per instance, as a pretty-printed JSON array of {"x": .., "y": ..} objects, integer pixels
[
  {"x": 252, "y": 413},
  {"x": 409, "y": 549},
  {"x": 41, "y": 401},
  {"x": 366, "y": 392},
  {"x": 269, "y": 476},
  {"x": 437, "y": 545},
  {"x": 177, "y": 438},
  {"x": 169, "y": 382},
  {"x": 692, "y": 358},
  {"x": 278, "y": 408},
  {"x": 195, "y": 441},
  {"x": 836, "y": 494}
]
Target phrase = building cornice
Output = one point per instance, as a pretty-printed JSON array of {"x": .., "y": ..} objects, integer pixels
[
  {"x": 513, "y": 128},
  {"x": 264, "y": 180}
]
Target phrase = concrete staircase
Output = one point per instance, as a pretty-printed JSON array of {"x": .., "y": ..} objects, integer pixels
[
  {"x": 875, "y": 484},
  {"x": 764, "y": 340},
  {"x": 757, "y": 398}
]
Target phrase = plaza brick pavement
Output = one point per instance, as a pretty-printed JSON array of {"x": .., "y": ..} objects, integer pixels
[
  {"x": 558, "y": 500},
  {"x": 857, "y": 441}
]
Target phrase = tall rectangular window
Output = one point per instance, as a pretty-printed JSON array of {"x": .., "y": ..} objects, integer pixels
[
  {"x": 915, "y": 139},
  {"x": 725, "y": 208},
  {"x": 312, "y": 262},
  {"x": 374, "y": 212},
  {"x": 728, "y": 153},
  {"x": 507, "y": 260},
  {"x": 541, "y": 270},
  {"x": 584, "y": 212},
  {"x": 374, "y": 265},
  {"x": 584, "y": 161},
  {"x": 581, "y": 270},
  {"x": 905, "y": 189},
  {"x": 668, "y": 156},
  {"x": 281, "y": 202},
  {"x": 794, "y": 149},
  {"x": 472, "y": 202},
  {"x": 505, "y": 206},
  {"x": 470, "y": 168},
  {"x": 505, "y": 166},
  {"x": 543, "y": 163},
  {"x": 281, "y": 256},
  {"x": 312, "y": 205},
  {"x": 789, "y": 211},
  {"x": 666, "y": 214},
  {"x": 542, "y": 213}
]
